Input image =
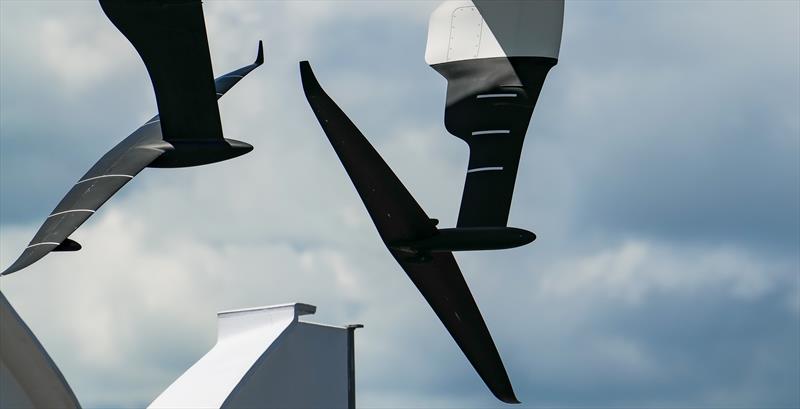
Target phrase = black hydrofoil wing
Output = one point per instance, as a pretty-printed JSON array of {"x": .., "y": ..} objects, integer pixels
[
  {"x": 171, "y": 38},
  {"x": 401, "y": 222}
]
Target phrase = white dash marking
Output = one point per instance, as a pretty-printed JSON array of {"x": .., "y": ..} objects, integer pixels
[
  {"x": 492, "y": 132},
  {"x": 42, "y": 244},
  {"x": 104, "y": 176},
  {"x": 71, "y": 211},
  {"x": 485, "y": 169},
  {"x": 481, "y": 96}
]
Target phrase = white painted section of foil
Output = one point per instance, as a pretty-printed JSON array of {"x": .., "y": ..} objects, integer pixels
[
  {"x": 466, "y": 25},
  {"x": 463, "y": 29}
]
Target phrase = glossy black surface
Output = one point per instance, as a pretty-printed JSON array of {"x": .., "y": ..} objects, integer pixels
[
  {"x": 468, "y": 239},
  {"x": 489, "y": 105},
  {"x": 170, "y": 36}
]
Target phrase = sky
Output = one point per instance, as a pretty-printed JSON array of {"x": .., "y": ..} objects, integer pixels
[{"x": 661, "y": 174}]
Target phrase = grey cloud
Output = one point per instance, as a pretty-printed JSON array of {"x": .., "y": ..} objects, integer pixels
[{"x": 680, "y": 122}]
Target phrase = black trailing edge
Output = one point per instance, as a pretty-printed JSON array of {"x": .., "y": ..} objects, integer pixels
[
  {"x": 422, "y": 250},
  {"x": 489, "y": 105},
  {"x": 170, "y": 36}
]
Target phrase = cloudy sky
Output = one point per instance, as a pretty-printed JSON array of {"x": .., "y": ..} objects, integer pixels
[{"x": 661, "y": 173}]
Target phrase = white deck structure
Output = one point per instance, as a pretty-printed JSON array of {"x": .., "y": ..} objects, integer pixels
[{"x": 264, "y": 358}]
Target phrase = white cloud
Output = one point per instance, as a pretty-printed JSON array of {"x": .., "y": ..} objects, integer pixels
[{"x": 637, "y": 269}]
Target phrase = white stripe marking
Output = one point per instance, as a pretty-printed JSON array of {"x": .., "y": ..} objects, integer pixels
[
  {"x": 152, "y": 122},
  {"x": 104, "y": 176},
  {"x": 42, "y": 243},
  {"x": 485, "y": 169},
  {"x": 496, "y": 96},
  {"x": 219, "y": 93},
  {"x": 71, "y": 211},
  {"x": 498, "y": 131}
]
